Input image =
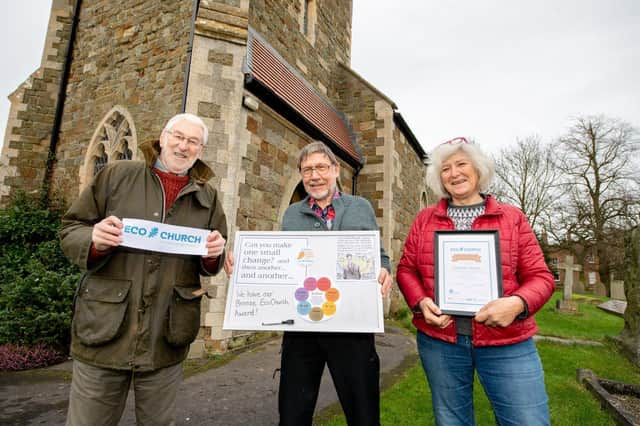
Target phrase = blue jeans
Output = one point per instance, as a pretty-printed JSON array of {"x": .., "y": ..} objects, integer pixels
[{"x": 511, "y": 376}]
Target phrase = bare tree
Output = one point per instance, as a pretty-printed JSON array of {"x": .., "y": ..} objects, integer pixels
[
  {"x": 598, "y": 159},
  {"x": 527, "y": 178}
]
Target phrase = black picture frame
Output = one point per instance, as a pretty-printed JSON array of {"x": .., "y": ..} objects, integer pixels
[{"x": 466, "y": 245}]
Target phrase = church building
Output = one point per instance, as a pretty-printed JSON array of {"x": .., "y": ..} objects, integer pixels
[{"x": 267, "y": 77}]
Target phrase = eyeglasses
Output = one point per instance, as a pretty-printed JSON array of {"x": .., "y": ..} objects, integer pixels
[
  {"x": 322, "y": 169},
  {"x": 456, "y": 141},
  {"x": 179, "y": 137}
]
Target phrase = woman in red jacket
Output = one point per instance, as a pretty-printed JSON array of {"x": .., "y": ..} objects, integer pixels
[{"x": 497, "y": 342}]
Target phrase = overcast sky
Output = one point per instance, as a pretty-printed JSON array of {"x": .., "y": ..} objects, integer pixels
[
  {"x": 23, "y": 27},
  {"x": 497, "y": 70},
  {"x": 494, "y": 70}
]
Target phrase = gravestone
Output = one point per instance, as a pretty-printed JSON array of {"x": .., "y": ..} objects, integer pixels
[
  {"x": 579, "y": 287},
  {"x": 566, "y": 305},
  {"x": 616, "y": 307},
  {"x": 600, "y": 290},
  {"x": 617, "y": 290},
  {"x": 629, "y": 338},
  {"x": 591, "y": 280}
]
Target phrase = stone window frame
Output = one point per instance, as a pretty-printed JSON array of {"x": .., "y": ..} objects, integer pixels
[
  {"x": 109, "y": 140},
  {"x": 424, "y": 200},
  {"x": 307, "y": 19}
]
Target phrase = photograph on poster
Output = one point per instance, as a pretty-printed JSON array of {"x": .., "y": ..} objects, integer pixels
[{"x": 355, "y": 259}]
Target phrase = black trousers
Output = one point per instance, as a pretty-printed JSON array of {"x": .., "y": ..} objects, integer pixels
[{"x": 354, "y": 366}]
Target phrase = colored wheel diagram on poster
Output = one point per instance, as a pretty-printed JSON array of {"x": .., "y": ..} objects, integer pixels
[{"x": 317, "y": 299}]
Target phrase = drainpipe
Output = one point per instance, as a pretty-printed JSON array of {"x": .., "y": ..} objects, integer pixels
[
  {"x": 196, "y": 6},
  {"x": 62, "y": 95},
  {"x": 354, "y": 180}
]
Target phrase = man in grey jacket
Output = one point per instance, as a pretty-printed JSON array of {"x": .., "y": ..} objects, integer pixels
[{"x": 351, "y": 357}]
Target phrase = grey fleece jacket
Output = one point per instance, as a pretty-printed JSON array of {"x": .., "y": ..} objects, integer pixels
[{"x": 353, "y": 213}]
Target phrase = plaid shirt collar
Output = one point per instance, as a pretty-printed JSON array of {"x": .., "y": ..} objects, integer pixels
[{"x": 328, "y": 213}]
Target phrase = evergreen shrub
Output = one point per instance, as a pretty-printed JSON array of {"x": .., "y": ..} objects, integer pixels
[{"x": 37, "y": 282}]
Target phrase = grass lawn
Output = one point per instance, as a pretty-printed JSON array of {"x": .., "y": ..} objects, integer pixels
[
  {"x": 408, "y": 402},
  {"x": 589, "y": 323}
]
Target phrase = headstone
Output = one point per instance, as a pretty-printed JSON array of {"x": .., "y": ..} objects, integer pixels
[
  {"x": 566, "y": 305},
  {"x": 616, "y": 307},
  {"x": 591, "y": 281},
  {"x": 617, "y": 290},
  {"x": 600, "y": 290}
]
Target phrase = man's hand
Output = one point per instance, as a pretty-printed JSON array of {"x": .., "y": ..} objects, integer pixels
[
  {"x": 384, "y": 278},
  {"x": 500, "y": 312},
  {"x": 107, "y": 233},
  {"x": 215, "y": 244},
  {"x": 432, "y": 314},
  {"x": 228, "y": 263}
]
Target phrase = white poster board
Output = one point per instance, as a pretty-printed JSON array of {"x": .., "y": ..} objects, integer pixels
[{"x": 305, "y": 281}]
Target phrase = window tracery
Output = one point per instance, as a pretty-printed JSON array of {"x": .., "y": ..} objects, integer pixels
[{"x": 114, "y": 139}]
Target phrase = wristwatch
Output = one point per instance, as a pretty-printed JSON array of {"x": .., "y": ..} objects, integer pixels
[{"x": 525, "y": 313}]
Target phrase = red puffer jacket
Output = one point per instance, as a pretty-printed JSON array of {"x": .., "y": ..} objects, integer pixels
[{"x": 524, "y": 272}]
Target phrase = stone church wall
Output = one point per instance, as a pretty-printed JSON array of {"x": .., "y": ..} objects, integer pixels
[
  {"x": 315, "y": 57},
  {"x": 33, "y": 104},
  {"x": 216, "y": 90},
  {"x": 358, "y": 102},
  {"x": 393, "y": 178},
  {"x": 410, "y": 195},
  {"x": 131, "y": 54}
]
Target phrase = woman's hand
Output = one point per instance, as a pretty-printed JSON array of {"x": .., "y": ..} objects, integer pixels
[
  {"x": 432, "y": 314},
  {"x": 500, "y": 312}
]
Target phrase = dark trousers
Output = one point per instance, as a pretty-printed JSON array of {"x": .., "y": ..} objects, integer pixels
[{"x": 354, "y": 366}]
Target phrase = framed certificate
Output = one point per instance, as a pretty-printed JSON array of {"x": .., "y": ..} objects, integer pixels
[{"x": 467, "y": 271}]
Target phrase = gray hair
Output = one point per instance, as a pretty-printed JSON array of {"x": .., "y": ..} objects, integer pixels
[
  {"x": 191, "y": 118},
  {"x": 316, "y": 147},
  {"x": 483, "y": 164}
]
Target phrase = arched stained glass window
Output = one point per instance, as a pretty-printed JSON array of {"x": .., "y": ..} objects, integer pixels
[{"x": 114, "y": 139}]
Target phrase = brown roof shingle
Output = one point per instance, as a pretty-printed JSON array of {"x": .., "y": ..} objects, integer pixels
[{"x": 265, "y": 65}]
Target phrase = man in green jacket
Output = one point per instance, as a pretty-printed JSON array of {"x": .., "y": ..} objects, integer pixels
[
  {"x": 351, "y": 357},
  {"x": 137, "y": 311}
]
